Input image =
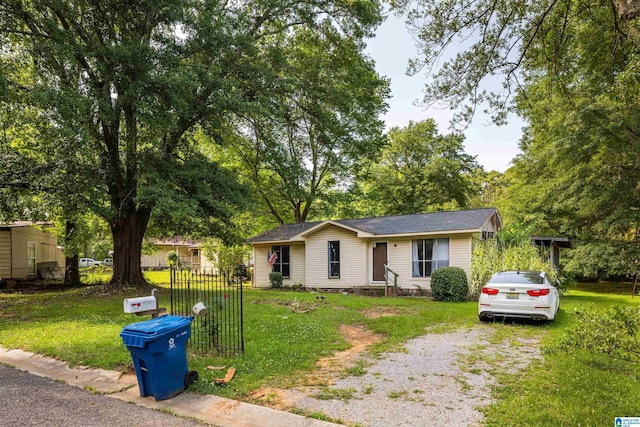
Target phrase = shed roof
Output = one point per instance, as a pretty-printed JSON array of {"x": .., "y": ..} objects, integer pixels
[
  {"x": 18, "y": 224},
  {"x": 562, "y": 242},
  {"x": 389, "y": 225}
]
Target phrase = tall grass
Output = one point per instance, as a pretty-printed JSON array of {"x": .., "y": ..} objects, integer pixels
[{"x": 493, "y": 255}]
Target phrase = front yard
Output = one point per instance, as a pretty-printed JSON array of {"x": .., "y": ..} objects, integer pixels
[{"x": 283, "y": 347}]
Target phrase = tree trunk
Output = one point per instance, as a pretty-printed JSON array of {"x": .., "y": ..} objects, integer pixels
[
  {"x": 71, "y": 272},
  {"x": 128, "y": 232}
]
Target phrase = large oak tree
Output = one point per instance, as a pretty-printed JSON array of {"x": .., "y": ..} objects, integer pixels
[{"x": 121, "y": 86}]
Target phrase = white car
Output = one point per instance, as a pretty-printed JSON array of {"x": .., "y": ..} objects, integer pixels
[
  {"x": 519, "y": 294},
  {"x": 108, "y": 262},
  {"x": 87, "y": 262}
]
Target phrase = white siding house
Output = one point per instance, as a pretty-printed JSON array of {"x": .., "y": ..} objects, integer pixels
[
  {"x": 351, "y": 254},
  {"x": 190, "y": 253}
]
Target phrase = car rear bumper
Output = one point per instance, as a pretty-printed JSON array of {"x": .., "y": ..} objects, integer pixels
[{"x": 501, "y": 312}]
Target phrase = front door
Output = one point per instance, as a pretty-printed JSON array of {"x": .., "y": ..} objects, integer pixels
[{"x": 379, "y": 260}]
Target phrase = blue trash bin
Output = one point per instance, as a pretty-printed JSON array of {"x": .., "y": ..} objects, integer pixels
[{"x": 158, "y": 348}]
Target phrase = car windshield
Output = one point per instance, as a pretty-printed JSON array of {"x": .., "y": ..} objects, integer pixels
[{"x": 526, "y": 277}]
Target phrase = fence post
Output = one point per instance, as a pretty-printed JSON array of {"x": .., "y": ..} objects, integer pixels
[
  {"x": 386, "y": 279},
  {"x": 395, "y": 285}
]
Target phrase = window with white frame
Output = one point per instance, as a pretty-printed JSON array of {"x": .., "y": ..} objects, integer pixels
[
  {"x": 31, "y": 257},
  {"x": 282, "y": 264},
  {"x": 334, "y": 259},
  {"x": 428, "y": 255}
]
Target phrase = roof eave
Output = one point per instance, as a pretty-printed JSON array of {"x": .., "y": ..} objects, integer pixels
[
  {"x": 359, "y": 232},
  {"x": 429, "y": 233},
  {"x": 294, "y": 239}
]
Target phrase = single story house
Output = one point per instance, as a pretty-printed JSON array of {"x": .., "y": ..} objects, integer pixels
[
  {"x": 352, "y": 253},
  {"x": 190, "y": 253},
  {"x": 26, "y": 245}
]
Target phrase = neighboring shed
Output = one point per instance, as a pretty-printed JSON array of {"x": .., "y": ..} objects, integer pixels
[
  {"x": 550, "y": 248},
  {"x": 25, "y": 245},
  {"x": 353, "y": 253}
]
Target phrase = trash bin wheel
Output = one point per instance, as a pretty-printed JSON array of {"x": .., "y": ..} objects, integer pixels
[{"x": 190, "y": 378}]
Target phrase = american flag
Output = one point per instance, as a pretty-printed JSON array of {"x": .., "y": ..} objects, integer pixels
[{"x": 272, "y": 258}]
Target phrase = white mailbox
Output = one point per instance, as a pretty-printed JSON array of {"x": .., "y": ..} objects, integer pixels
[{"x": 136, "y": 305}]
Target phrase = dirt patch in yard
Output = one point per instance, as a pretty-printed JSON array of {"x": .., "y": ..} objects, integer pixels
[
  {"x": 359, "y": 338},
  {"x": 327, "y": 369},
  {"x": 378, "y": 312}
]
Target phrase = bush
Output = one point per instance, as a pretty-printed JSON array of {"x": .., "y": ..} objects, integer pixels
[
  {"x": 275, "y": 279},
  {"x": 449, "y": 284},
  {"x": 612, "y": 332},
  {"x": 172, "y": 259}
]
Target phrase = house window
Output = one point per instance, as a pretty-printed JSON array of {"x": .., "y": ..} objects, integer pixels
[
  {"x": 334, "y": 259},
  {"x": 31, "y": 257},
  {"x": 282, "y": 262},
  {"x": 487, "y": 235},
  {"x": 428, "y": 255}
]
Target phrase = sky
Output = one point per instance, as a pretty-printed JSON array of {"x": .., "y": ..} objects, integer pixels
[{"x": 391, "y": 49}]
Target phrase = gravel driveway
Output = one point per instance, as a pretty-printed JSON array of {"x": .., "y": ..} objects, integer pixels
[{"x": 434, "y": 383}]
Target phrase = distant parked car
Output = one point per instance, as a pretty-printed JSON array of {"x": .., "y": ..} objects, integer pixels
[
  {"x": 108, "y": 262},
  {"x": 519, "y": 294},
  {"x": 87, "y": 262}
]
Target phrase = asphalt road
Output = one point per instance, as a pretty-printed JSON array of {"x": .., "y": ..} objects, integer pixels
[{"x": 29, "y": 400}]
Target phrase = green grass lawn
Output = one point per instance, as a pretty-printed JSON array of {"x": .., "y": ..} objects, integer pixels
[
  {"x": 569, "y": 388},
  {"x": 281, "y": 346}
]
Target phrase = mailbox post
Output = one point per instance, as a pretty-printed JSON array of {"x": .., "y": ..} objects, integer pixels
[{"x": 142, "y": 306}]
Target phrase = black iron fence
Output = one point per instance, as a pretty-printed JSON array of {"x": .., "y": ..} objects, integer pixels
[{"x": 216, "y": 304}]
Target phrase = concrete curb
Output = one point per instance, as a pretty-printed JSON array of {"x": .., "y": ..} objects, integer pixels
[
  {"x": 221, "y": 412},
  {"x": 98, "y": 380},
  {"x": 213, "y": 410}
]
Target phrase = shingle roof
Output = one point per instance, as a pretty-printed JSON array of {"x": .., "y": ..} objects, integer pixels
[
  {"x": 399, "y": 224},
  {"x": 423, "y": 223},
  {"x": 283, "y": 232}
]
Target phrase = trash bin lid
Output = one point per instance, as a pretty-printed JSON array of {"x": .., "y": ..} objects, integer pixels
[{"x": 137, "y": 334}]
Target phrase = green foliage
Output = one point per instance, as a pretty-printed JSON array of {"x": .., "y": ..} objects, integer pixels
[
  {"x": 420, "y": 171},
  {"x": 326, "y": 121},
  {"x": 225, "y": 258},
  {"x": 511, "y": 249},
  {"x": 518, "y": 40},
  {"x": 172, "y": 259},
  {"x": 579, "y": 156},
  {"x": 449, "y": 284},
  {"x": 90, "y": 236},
  {"x": 571, "y": 70},
  {"x": 613, "y": 332},
  {"x": 202, "y": 200},
  {"x": 108, "y": 102},
  {"x": 275, "y": 278},
  {"x": 603, "y": 259}
]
